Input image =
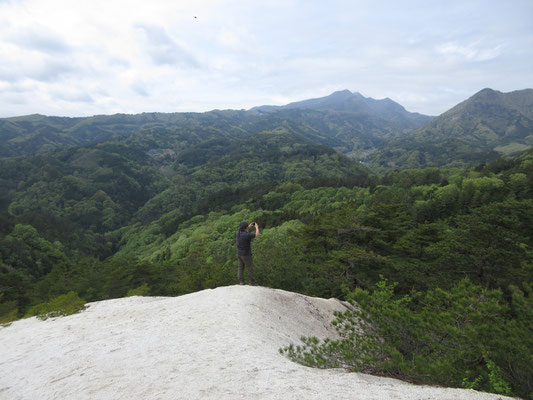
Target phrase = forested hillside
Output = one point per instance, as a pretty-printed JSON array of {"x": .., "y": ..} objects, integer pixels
[
  {"x": 424, "y": 229},
  {"x": 442, "y": 255},
  {"x": 480, "y": 129},
  {"x": 349, "y": 122},
  {"x": 380, "y": 133}
]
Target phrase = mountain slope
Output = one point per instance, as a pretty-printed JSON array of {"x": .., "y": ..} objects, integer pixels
[
  {"x": 378, "y": 132},
  {"x": 214, "y": 344},
  {"x": 107, "y": 186},
  {"x": 219, "y": 172},
  {"x": 38, "y": 134},
  {"x": 391, "y": 118},
  {"x": 349, "y": 122},
  {"x": 346, "y": 101},
  {"x": 485, "y": 126}
]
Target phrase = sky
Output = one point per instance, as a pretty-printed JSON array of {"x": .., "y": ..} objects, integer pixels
[{"x": 82, "y": 58}]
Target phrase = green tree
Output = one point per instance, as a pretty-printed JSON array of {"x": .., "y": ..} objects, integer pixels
[{"x": 435, "y": 337}]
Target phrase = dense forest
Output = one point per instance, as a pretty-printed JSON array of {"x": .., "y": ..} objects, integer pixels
[{"x": 439, "y": 259}]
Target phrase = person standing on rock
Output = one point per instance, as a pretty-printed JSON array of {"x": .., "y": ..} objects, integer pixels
[{"x": 244, "y": 250}]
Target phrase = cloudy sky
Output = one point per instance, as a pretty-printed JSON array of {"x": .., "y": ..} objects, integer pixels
[{"x": 80, "y": 58}]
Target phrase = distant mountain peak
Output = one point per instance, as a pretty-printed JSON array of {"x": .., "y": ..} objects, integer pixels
[
  {"x": 487, "y": 94},
  {"x": 488, "y": 90},
  {"x": 519, "y": 100},
  {"x": 344, "y": 101},
  {"x": 341, "y": 93}
]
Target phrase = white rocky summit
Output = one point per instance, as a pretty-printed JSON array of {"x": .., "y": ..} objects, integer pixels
[{"x": 214, "y": 344}]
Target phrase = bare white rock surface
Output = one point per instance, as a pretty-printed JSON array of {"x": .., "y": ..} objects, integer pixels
[{"x": 214, "y": 344}]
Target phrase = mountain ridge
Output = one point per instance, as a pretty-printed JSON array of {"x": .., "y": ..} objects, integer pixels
[
  {"x": 348, "y": 122},
  {"x": 481, "y": 128},
  {"x": 346, "y": 101},
  {"x": 377, "y": 132}
]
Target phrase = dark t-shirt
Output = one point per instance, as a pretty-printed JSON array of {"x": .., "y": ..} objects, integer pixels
[{"x": 244, "y": 240}]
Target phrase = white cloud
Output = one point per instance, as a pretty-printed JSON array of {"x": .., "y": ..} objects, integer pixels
[
  {"x": 230, "y": 39},
  {"x": 106, "y": 56},
  {"x": 73, "y": 95},
  {"x": 475, "y": 51},
  {"x": 41, "y": 39},
  {"x": 163, "y": 49}
]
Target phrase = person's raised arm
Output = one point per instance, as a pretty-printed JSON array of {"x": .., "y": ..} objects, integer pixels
[{"x": 257, "y": 233}]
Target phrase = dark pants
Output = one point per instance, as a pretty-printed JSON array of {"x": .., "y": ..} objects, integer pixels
[{"x": 246, "y": 260}]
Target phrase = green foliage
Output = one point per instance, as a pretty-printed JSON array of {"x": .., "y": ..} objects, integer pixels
[
  {"x": 434, "y": 337},
  {"x": 8, "y": 311},
  {"x": 278, "y": 256},
  {"x": 143, "y": 290},
  {"x": 498, "y": 383},
  {"x": 65, "y": 304},
  {"x": 484, "y": 244},
  {"x": 154, "y": 210},
  {"x": 120, "y": 275},
  {"x": 467, "y": 384},
  {"x": 246, "y": 168},
  {"x": 25, "y": 250},
  {"x": 97, "y": 188}
]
